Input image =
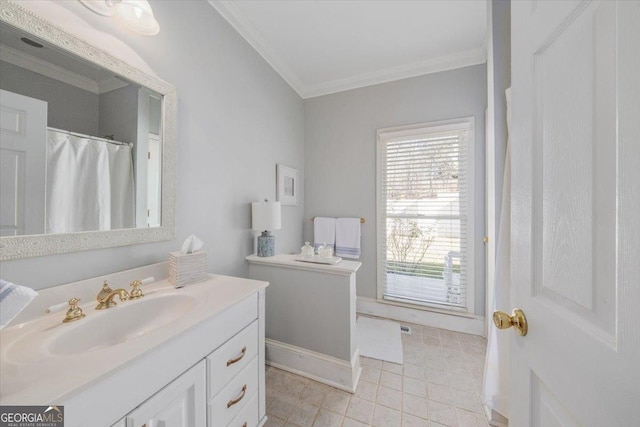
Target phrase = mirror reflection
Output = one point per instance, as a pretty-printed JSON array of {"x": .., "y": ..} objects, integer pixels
[{"x": 80, "y": 147}]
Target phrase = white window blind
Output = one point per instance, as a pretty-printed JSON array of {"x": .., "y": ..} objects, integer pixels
[{"x": 423, "y": 186}]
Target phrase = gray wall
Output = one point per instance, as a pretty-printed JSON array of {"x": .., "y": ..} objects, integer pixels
[
  {"x": 340, "y": 151},
  {"x": 500, "y": 80},
  {"x": 237, "y": 118},
  {"x": 69, "y": 107},
  {"x": 119, "y": 114}
]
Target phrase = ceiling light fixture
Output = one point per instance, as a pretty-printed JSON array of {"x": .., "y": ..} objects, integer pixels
[{"x": 134, "y": 14}]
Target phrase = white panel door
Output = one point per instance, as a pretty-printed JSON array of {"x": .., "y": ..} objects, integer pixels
[
  {"x": 576, "y": 213},
  {"x": 23, "y": 134}
]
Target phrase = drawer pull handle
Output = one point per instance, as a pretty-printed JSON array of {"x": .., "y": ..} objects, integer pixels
[
  {"x": 239, "y": 398},
  {"x": 239, "y": 358},
  {"x": 245, "y": 424}
]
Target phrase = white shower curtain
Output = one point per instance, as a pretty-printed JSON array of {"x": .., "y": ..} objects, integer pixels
[
  {"x": 495, "y": 390},
  {"x": 89, "y": 184}
]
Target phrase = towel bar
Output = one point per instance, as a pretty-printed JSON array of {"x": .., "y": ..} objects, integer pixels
[{"x": 361, "y": 220}]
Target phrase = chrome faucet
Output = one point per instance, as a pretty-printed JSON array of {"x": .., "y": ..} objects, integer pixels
[{"x": 106, "y": 295}]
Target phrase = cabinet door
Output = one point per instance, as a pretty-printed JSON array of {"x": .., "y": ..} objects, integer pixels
[{"x": 182, "y": 403}]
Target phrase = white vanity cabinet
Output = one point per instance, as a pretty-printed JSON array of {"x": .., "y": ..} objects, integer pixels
[
  {"x": 219, "y": 391},
  {"x": 199, "y": 361},
  {"x": 225, "y": 388},
  {"x": 179, "y": 404}
]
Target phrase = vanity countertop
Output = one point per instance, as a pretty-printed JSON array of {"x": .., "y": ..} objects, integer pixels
[
  {"x": 34, "y": 372},
  {"x": 344, "y": 267}
]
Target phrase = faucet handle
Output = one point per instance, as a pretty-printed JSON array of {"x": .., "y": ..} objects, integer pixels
[
  {"x": 105, "y": 287},
  {"x": 74, "y": 312},
  {"x": 135, "y": 292}
]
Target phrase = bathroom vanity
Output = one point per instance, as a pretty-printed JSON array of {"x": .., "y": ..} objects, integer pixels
[
  {"x": 311, "y": 318},
  {"x": 192, "y": 356}
]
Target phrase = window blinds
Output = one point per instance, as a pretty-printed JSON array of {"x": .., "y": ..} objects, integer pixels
[{"x": 423, "y": 184}]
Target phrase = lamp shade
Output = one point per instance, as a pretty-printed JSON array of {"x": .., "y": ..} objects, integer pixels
[{"x": 265, "y": 216}]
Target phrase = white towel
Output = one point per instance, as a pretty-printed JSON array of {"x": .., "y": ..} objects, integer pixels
[
  {"x": 324, "y": 231},
  {"x": 13, "y": 299},
  {"x": 348, "y": 237}
]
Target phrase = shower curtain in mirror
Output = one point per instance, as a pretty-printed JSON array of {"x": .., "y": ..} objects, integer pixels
[
  {"x": 495, "y": 388},
  {"x": 89, "y": 184}
]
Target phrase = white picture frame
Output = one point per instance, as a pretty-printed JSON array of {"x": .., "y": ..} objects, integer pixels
[{"x": 287, "y": 185}]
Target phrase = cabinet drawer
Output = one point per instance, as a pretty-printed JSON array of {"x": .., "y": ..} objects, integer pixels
[
  {"x": 234, "y": 396},
  {"x": 231, "y": 358},
  {"x": 248, "y": 416}
]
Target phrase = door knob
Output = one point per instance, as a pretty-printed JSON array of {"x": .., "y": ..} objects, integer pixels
[{"x": 517, "y": 319}]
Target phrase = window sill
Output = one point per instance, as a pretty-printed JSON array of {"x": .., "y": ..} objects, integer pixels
[{"x": 424, "y": 307}]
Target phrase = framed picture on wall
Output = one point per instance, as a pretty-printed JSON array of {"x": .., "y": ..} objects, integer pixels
[{"x": 286, "y": 185}]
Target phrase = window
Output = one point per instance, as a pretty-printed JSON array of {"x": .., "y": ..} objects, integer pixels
[{"x": 425, "y": 253}]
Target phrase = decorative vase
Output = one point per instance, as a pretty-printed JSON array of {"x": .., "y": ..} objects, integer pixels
[{"x": 266, "y": 244}]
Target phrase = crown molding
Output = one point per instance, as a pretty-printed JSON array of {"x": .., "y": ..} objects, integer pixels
[
  {"x": 232, "y": 14},
  {"x": 435, "y": 65},
  {"x": 241, "y": 24}
]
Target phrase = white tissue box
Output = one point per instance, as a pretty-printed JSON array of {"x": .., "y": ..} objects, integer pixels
[{"x": 185, "y": 269}]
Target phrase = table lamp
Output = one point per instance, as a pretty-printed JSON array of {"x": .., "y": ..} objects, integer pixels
[{"x": 265, "y": 217}]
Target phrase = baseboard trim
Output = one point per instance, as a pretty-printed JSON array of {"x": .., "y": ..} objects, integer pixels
[
  {"x": 319, "y": 367},
  {"x": 469, "y": 325}
]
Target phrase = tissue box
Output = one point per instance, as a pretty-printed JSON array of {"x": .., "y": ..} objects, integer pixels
[{"x": 187, "y": 268}]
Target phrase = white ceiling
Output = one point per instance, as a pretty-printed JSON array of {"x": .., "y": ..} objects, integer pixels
[{"x": 322, "y": 47}]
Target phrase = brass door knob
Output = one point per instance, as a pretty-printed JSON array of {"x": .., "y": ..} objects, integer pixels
[{"x": 517, "y": 319}]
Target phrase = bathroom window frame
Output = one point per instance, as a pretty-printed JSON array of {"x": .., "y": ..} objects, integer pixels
[{"x": 383, "y": 136}]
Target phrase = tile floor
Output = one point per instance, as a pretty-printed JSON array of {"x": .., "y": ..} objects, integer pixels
[{"x": 438, "y": 385}]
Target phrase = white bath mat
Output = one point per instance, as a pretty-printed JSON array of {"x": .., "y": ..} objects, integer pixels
[{"x": 379, "y": 339}]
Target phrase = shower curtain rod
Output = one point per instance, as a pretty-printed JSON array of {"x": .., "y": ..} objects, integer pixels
[{"x": 81, "y": 135}]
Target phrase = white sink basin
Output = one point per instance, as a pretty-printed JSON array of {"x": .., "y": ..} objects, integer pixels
[
  {"x": 129, "y": 319},
  {"x": 100, "y": 329}
]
